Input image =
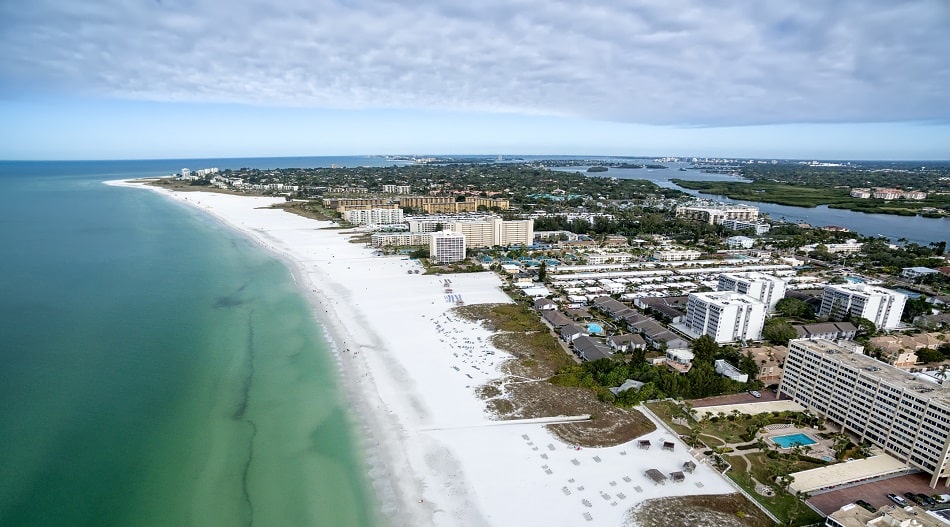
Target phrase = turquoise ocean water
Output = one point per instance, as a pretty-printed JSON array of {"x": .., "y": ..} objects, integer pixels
[{"x": 156, "y": 368}]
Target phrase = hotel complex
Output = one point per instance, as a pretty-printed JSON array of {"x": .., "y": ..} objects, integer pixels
[
  {"x": 907, "y": 417},
  {"x": 726, "y": 316},
  {"x": 877, "y": 304}
]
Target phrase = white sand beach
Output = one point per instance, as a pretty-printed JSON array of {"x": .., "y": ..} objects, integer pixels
[{"x": 411, "y": 368}]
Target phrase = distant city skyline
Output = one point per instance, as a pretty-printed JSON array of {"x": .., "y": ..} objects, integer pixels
[{"x": 203, "y": 78}]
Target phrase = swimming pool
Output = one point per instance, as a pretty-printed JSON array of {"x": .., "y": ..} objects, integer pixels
[
  {"x": 595, "y": 329},
  {"x": 788, "y": 441}
]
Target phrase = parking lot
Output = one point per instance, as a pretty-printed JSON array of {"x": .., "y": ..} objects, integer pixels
[
  {"x": 876, "y": 492},
  {"x": 736, "y": 398}
]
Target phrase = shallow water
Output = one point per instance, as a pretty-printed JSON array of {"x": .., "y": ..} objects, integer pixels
[{"x": 158, "y": 368}]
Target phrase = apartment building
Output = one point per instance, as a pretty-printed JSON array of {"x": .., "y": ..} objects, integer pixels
[
  {"x": 882, "y": 306},
  {"x": 382, "y": 239},
  {"x": 600, "y": 258},
  {"x": 741, "y": 225},
  {"x": 726, "y": 316},
  {"x": 397, "y": 189},
  {"x": 448, "y": 204},
  {"x": 674, "y": 255},
  {"x": 907, "y": 417},
  {"x": 355, "y": 203},
  {"x": 766, "y": 288},
  {"x": 716, "y": 213},
  {"x": 495, "y": 231},
  {"x": 374, "y": 216},
  {"x": 447, "y": 247}
]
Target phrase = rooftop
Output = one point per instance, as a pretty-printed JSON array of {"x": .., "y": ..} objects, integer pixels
[{"x": 876, "y": 369}]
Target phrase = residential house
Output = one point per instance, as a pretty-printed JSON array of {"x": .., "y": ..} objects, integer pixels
[
  {"x": 590, "y": 348},
  {"x": 556, "y": 318},
  {"x": 679, "y": 359},
  {"x": 571, "y": 332},
  {"x": 827, "y": 331},
  {"x": 544, "y": 304},
  {"x": 626, "y": 343}
]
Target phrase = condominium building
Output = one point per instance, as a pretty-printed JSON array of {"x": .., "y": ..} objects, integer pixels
[
  {"x": 716, "y": 213},
  {"x": 673, "y": 255},
  {"x": 741, "y": 225},
  {"x": 906, "y": 417},
  {"x": 726, "y": 316},
  {"x": 374, "y": 216},
  {"x": 495, "y": 231},
  {"x": 382, "y": 239},
  {"x": 766, "y": 288},
  {"x": 600, "y": 258},
  {"x": 397, "y": 189},
  {"x": 355, "y": 203},
  {"x": 882, "y": 306},
  {"x": 448, "y": 204},
  {"x": 447, "y": 247}
]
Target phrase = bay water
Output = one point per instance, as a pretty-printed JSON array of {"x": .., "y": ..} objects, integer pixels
[{"x": 157, "y": 368}]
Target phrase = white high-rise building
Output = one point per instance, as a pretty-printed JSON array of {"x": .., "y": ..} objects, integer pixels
[
  {"x": 447, "y": 246},
  {"x": 907, "y": 417},
  {"x": 882, "y": 306},
  {"x": 725, "y": 316},
  {"x": 495, "y": 231},
  {"x": 765, "y": 287},
  {"x": 374, "y": 216},
  {"x": 716, "y": 213}
]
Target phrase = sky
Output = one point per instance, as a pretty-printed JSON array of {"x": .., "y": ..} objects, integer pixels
[{"x": 810, "y": 79}]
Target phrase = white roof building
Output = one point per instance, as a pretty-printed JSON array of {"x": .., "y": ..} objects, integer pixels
[
  {"x": 765, "y": 287},
  {"x": 726, "y": 316},
  {"x": 447, "y": 247},
  {"x": 882, "y": 306}
]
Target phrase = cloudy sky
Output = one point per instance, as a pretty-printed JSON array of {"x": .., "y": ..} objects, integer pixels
[{"x": 200, "y": 78}]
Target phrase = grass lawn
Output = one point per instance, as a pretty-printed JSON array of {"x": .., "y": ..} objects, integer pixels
[
  {"x": 666, "y": 410},
  {"x": 728, "y": 431}
]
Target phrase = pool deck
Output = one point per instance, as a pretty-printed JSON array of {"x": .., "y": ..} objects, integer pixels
[
  {"x": 800, "y": 440},
  {"x": 820, "y": 449}
]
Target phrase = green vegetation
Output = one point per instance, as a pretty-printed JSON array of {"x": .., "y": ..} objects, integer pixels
[
  {"x": 799, "y": 185},
  {"x": 778, "y": 331},
  {"x": 771, "y": 192},
  {"x": 767, "y": 466},
  {"x": 660, "y": 382},
  {"x": 784, "y": 505},
  {"x": 795, "y": 308}
]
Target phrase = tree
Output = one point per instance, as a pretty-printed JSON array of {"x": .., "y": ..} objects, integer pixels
[
  {"x": 928, "y": 355},
  {"x": 865, "y": 326},
  {"x": 542, "y": 272},
  {"x": 778, "y": 331},
  {"x": 748, "y": 366},
  {"x": 914, "y": 307},
  {"x": 705, "y": 349},
  {"x": 793, "y": 307}
]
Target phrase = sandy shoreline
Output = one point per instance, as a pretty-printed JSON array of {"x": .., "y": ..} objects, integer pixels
[{"x": 411, "y": 368}]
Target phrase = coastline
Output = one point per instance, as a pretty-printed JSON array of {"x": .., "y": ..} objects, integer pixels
[{"x": 410, "y": 369}]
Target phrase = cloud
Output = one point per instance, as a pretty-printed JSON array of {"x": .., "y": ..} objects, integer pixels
[{"x": 678, "y": 62}]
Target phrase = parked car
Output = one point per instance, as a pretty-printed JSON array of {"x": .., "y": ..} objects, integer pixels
[
  {"x": 911, "y": 497},
  {"x": 755, "y": 394},
  {"x": 866, "y": 505},
  {"x": 926, "y": 500},
  {"x": 897, "y": 499}
]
